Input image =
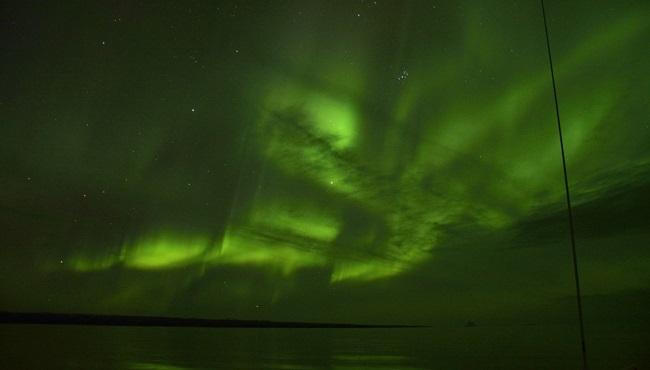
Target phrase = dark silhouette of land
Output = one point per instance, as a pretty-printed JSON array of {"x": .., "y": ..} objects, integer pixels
[{"x": 121, "y": 320}]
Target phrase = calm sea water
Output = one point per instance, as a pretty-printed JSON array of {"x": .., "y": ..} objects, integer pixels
[{"x": 530, "y": 347}]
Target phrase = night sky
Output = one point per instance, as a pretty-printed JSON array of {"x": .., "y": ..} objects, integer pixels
[{"x": 350, "y": 161}]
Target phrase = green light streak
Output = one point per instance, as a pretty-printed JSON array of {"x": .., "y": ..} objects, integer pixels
[
  {"x": 165, "y": 251},
  {"x": 246, "y": 248},
  {"x": 291, "y": 218},
  {"x": 81, "y": 263}
]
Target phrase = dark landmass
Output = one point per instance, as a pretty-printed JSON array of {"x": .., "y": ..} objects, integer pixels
[{"x": 120, "y": 320}]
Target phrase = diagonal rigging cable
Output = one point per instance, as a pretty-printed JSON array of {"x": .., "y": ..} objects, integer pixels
[{"x": 568, "y": 197}]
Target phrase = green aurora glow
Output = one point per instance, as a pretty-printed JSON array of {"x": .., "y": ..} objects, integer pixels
[{"x": 315, "y": 164}]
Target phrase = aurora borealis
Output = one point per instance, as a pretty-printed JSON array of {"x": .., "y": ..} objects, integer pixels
[{"x": 360, "y": 161}]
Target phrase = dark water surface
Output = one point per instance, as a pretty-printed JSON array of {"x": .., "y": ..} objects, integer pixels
[{"x": 508, "y": 347}]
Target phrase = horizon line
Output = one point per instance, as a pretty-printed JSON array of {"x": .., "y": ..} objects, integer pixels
[{"x": 168, "y": 321}]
